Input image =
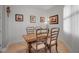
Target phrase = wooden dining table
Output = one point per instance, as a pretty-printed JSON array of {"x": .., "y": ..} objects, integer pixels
[{"x": 30, "y": 38}]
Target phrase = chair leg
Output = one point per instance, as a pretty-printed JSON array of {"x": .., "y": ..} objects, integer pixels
[
  {"x": 56, "y": 48},
  {"x": 29, "y": 47},
  {"x": 50, "y": 49},
  {"x": 45, "y": 49}
]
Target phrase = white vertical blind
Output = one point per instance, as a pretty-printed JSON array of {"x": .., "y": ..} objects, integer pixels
[
  {"x": 66, "y": 19},
  {"x": 71, "y": 20},
  {"x": 71, "y": 27},
  {"x": 75, "y": 28},
  {"x": 75, "y": 20}
]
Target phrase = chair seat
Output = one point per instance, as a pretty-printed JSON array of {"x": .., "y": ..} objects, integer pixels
[
  {"x": 52, "y": 42},
  {"x": 40, "y": 46}
]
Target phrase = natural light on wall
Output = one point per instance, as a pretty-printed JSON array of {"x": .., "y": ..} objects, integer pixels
[
  {"x": 71, "y": 20},
  {"x": 67, "y": 19},
  {"x": 75, "y": 20}
]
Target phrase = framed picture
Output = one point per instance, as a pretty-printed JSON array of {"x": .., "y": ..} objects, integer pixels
[
  {"x": 53, "y": 19},
  {"x": 42, "y": 19},
  {"x": 19, "y": 17},
  {"x": 32, "y": 19}
]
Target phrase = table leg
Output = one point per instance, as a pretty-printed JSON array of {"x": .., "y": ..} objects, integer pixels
[{"x": 29, "y": 47}]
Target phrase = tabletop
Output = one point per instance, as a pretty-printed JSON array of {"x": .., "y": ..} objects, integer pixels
[{"x": 31, "y": 37}]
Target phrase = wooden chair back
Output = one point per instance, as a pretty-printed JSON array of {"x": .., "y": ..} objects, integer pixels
[
  {"x": 53, "y": 38},
  {"x": 41, "y": 34},
  {"x": 54, "y": 33},
  {"x": 30, "y": 30}
]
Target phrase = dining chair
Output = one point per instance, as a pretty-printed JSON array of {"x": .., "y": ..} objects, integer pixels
[
  {"x": 30, "y": 30},
  {"x": 54, "y": 32},
  {"x": 41, "y": 42}
]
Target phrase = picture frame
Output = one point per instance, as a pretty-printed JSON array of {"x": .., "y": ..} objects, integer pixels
[
  {"x": 19, "y": 17},
  {"x": 32, "y": 19},
  {"x": 53, "y": 19},
  {"x": 42, "y": 19}
]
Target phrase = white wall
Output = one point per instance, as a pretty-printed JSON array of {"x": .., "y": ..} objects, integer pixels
[
  {"x": 4, "y": 28},
  {"x": 0, "y": 27},
  {"x": 15, "y": 30}
]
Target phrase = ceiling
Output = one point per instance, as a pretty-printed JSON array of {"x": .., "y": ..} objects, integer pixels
[
  {"x": 41, "y": 7},
  {"x": 44, "y": 7}
]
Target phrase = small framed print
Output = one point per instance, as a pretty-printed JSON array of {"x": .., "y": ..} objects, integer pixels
[
  {"x": 42, "y": 19},
  {"x": 32, "y": 19},
  {"x": 19, "y": 17},
  {"x": 53, "y": 19}
]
